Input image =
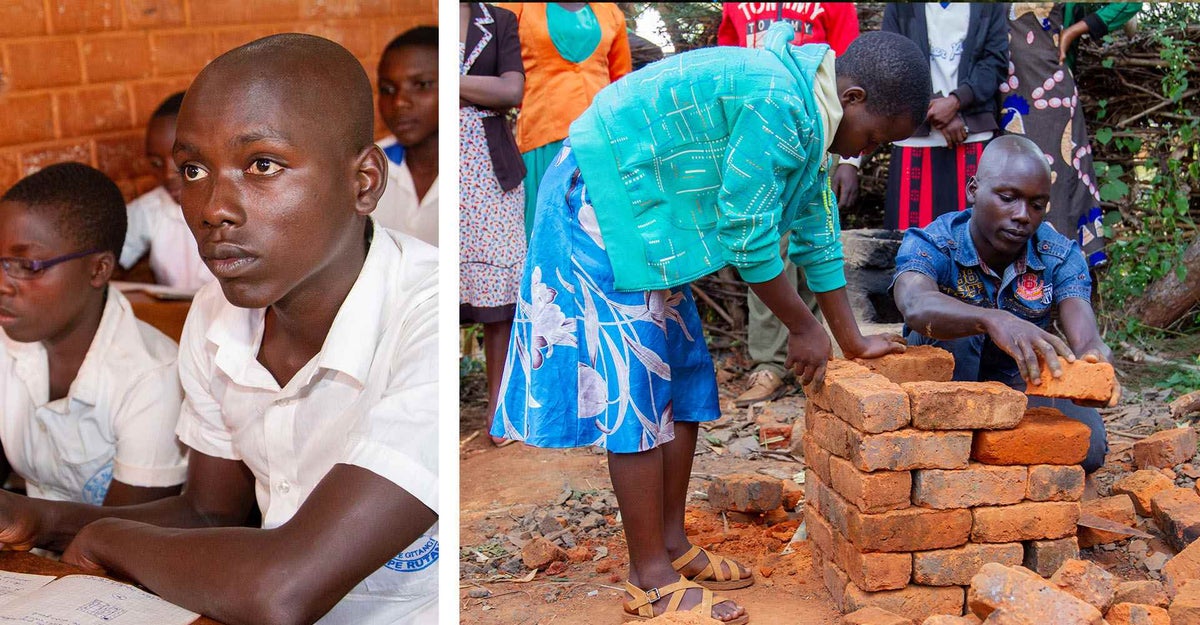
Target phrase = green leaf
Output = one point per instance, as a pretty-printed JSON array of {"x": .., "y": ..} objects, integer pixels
[
  {"x": 1104, "y": 135},
  {"x": 1107, "y": 63},
  {"x": 1113, "y": 191},
  {"x": 1181, "y": 272},
  {"x": 1112, "y": 218}
]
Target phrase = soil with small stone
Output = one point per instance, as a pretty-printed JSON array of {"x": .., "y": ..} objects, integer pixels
[{"x": 513, "y": 495}]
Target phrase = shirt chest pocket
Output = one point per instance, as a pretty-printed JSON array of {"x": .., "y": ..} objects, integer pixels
[{"x": 74, "y": 453}]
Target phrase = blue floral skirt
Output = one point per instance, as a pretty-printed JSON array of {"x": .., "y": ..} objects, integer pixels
[{"x": 588, "y": 365}]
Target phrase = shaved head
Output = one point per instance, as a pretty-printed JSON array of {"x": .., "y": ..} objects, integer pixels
[
  {"x": 320, "y": 79},
  {"x": 1009, "y": 152}
]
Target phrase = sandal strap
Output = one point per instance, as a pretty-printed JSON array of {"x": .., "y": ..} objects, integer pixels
[
  {"x": 687, "y": 557},
  {"x": 713, "y": 571},
  {"x": 643, "y": 599}
]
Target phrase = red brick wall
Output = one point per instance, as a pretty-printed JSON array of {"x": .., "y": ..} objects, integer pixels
[{"x": 83, "y": 76}]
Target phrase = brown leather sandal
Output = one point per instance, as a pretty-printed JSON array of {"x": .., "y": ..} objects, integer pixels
[
  {"x": 641, "y": 607},
  {"x": 713, "y": 576}
]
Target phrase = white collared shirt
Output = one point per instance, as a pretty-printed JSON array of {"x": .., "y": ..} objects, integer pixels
[
  {"x": 116, "y": 422},
  {"x": 399, "y": 208},
  {"x": 156, "y": 224},
  {"x": 368, "y": 398}
]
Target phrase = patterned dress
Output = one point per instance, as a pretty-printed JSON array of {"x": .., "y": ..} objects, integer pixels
[
  {"x": 491, "y": 222},
  {"x": 1039, "y": 100},
  {"x": 589, "y": 365}
]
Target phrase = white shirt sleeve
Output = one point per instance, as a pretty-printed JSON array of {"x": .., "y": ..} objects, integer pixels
[
  {"x": 201, "y": 426},
  {"x": 137, "y": 236},
  {"x": 397, "y": 438},
  {"x": 148, "y": 454}
]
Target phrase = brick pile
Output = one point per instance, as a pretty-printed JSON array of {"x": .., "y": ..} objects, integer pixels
[{"x": 914, "y": 482}]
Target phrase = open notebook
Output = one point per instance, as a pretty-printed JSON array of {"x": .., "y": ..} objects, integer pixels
[{"x": 82, "y": 600}]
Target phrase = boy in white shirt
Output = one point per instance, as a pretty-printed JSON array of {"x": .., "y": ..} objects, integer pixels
[
  {"x": 90, "y": 395},
  {"x": 155, "y": 220},
  {"x": 408, "y": 100},
  {"x": 307, "y": 369}
]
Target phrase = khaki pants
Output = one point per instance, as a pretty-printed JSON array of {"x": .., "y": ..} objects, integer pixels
[{"x": 766, "y": 335}]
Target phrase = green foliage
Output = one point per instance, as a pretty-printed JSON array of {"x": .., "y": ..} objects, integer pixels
[
  {"x": 467, "y": 364},
  {"x": 1182, "y": 381}
]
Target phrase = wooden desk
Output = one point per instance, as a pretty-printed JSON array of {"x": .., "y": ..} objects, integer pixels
[
  {"x": 166, "y": 315},
  {"x": 25, "y": 562}
]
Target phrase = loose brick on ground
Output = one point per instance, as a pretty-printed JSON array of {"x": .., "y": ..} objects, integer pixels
[
  {"x": 746, "y": 492},
  {"x": 956, "y": 567},
  {"x": 872, "y": 615},
  {"x": 1146, "y": 592},
  {"x": 964, "y": 405},
  {"x": 1044, "y": 436},
  {"x": 793, "y": 494},
  {"x": 918, "y": 363},
  {"x": 879, "y": 491},
  {"x": 773, "y": 434},
  {"x": 871, "y": 403},
  {"x": 1083, "y": 381},
  {"x": 1051, "y": 482},
  {"x": 1137, "y": 614},
  {"x": 910, "y": 529},
  {"x": 1185, "y": 607},
  {"x": 914, "y": 602},
  {"x": 1118, "y": 509},
  {"x": 1141, "y": 486},
  {"x": 1185, "y": 565},
  {"x": 976, "y": 485},
  {"x": 835, "y": 370},
  {"x": 1024, "y": 521},
  {"x": 998, "y": 587},
  {"x": 1165, "y": 449},
  {"x": 1177, "y": 513},
  {"x": 905, "y": 450},
  {"x": 1044, "y": 557},
  {"x": 947, "y": 619},
  {"x": 539, "y": 553},
  {"x": 1087, "y": 581}
]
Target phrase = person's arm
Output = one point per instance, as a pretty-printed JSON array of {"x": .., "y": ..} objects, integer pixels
[
  {"x": 845, "y": 183},
  {"x": 495, "y": 92},
  {"x": 294, "y": 573},
  {"x": 939, "y": 316},
  {"x": 841, "y": 25},
  {"x": 983, "y": 78},
  {"x": 620, "y": 59},
  {"x": 1078, "y": 322},
  {"x": 1110, "y": 16}
]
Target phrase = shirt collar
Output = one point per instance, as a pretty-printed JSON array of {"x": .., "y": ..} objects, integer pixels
[{"x": 964, "y": 252}]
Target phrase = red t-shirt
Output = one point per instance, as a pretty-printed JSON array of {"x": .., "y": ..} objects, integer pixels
[{"x": 834, "y": 23}]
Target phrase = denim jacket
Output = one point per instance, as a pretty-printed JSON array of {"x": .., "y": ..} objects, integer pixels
[{"x": 1052, "y": 270}]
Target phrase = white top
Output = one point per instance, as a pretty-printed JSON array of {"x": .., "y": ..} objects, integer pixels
[
  {"x": 399, "y": 208},
  {"x": 116, "y": 422},
  {"x": 156, "y": 223},
  {"x": 368, "y": 399},
  {"x": 947, "y": 28}
]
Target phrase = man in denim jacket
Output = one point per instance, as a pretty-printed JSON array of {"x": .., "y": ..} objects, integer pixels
[{"x": 983, "y": 283}]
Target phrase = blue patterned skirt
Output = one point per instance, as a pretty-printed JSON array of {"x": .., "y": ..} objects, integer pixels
[{"x": 588, "y": 365}]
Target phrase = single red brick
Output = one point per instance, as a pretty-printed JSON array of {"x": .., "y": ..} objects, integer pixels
[
  {"x": 976, "y": 485},
  {"x": 870, "y": 403},
  {"x": 153, "y": 13},
  {"x": 816, "y": 458},
  {"x": 1185, "y": 565},
  {"x": 1165, "y": 449},
  {"x": 905, "y": 450},
  {"x": 147, "y": 95},
  {"x": 835, "y": 580},
  {"x": 27, "y": 118},
  {"x": 793, "y": 494},
  {"x": 66, "y": 152},
  {"x": 746, "y": 492},
  {"x": 182, "y": 52},
  {"x": 827, "y": 503},
  {"x": 1118, "y": 509},
  {"x": 919, "y": 363},
  {"x": 998, "y": 587},
  {"x": 539, "y": 553},
  {"x": 874, "y": 616},
  {"x": 1142, "y": 486},
  {"x": 94, "y": 109},
  {"x": 835, "y": 370},
  {"x": 1177, "y": 513},
  {"x": 1137, "y": 614},
  {"x": 354, "y": 36},
  {"x": 1024, "y": 521},
  {"x": 871, "y": 492},
  {"x": 1086, "y": 581},
  {"x": 956, "y": 567},
  {"x": 1044, "y": 557},
  {"x": 820, "y": 533},
  {"x": 831, "y": 433},
  {"x": 1055, "y": 482},
  {"x": 274, "y": 10},
  {"x": 1083, "y": 381},
  {"x": 1185, "y": 607},
  {"x": 118, "y": 57},
  {"x": 964, "y": 405},
  {"x": 22, "y": 18},
  {"x": 38, "y": 63},
  {"x": 1146, "y": 592},
  {"x": 219, "y": 12},
  {"x": 1044, "y": 436},
  {"x": 122, "y": 156},
  {"x": 84, "y": 16},
  {"x": 910, "y": 529},
  {"x": 774, "y": 435},
  {"x": 872, "y": 571},
  {"x": 914, "y": 602}
]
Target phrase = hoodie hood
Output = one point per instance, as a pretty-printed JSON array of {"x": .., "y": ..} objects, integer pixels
[{"x": 813, "y": 68}]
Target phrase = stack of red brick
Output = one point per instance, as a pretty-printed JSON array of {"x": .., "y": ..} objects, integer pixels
[{"x": 914, "y": 482}]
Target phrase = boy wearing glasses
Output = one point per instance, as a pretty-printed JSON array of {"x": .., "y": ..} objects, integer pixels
[{"x": 90, "y": 393}]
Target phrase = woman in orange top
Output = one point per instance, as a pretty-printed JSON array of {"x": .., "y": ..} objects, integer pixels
[{"x": 571, "y": 50}]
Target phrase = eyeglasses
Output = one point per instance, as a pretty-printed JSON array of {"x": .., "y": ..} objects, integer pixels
[{"x": 28, "y": 269}]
